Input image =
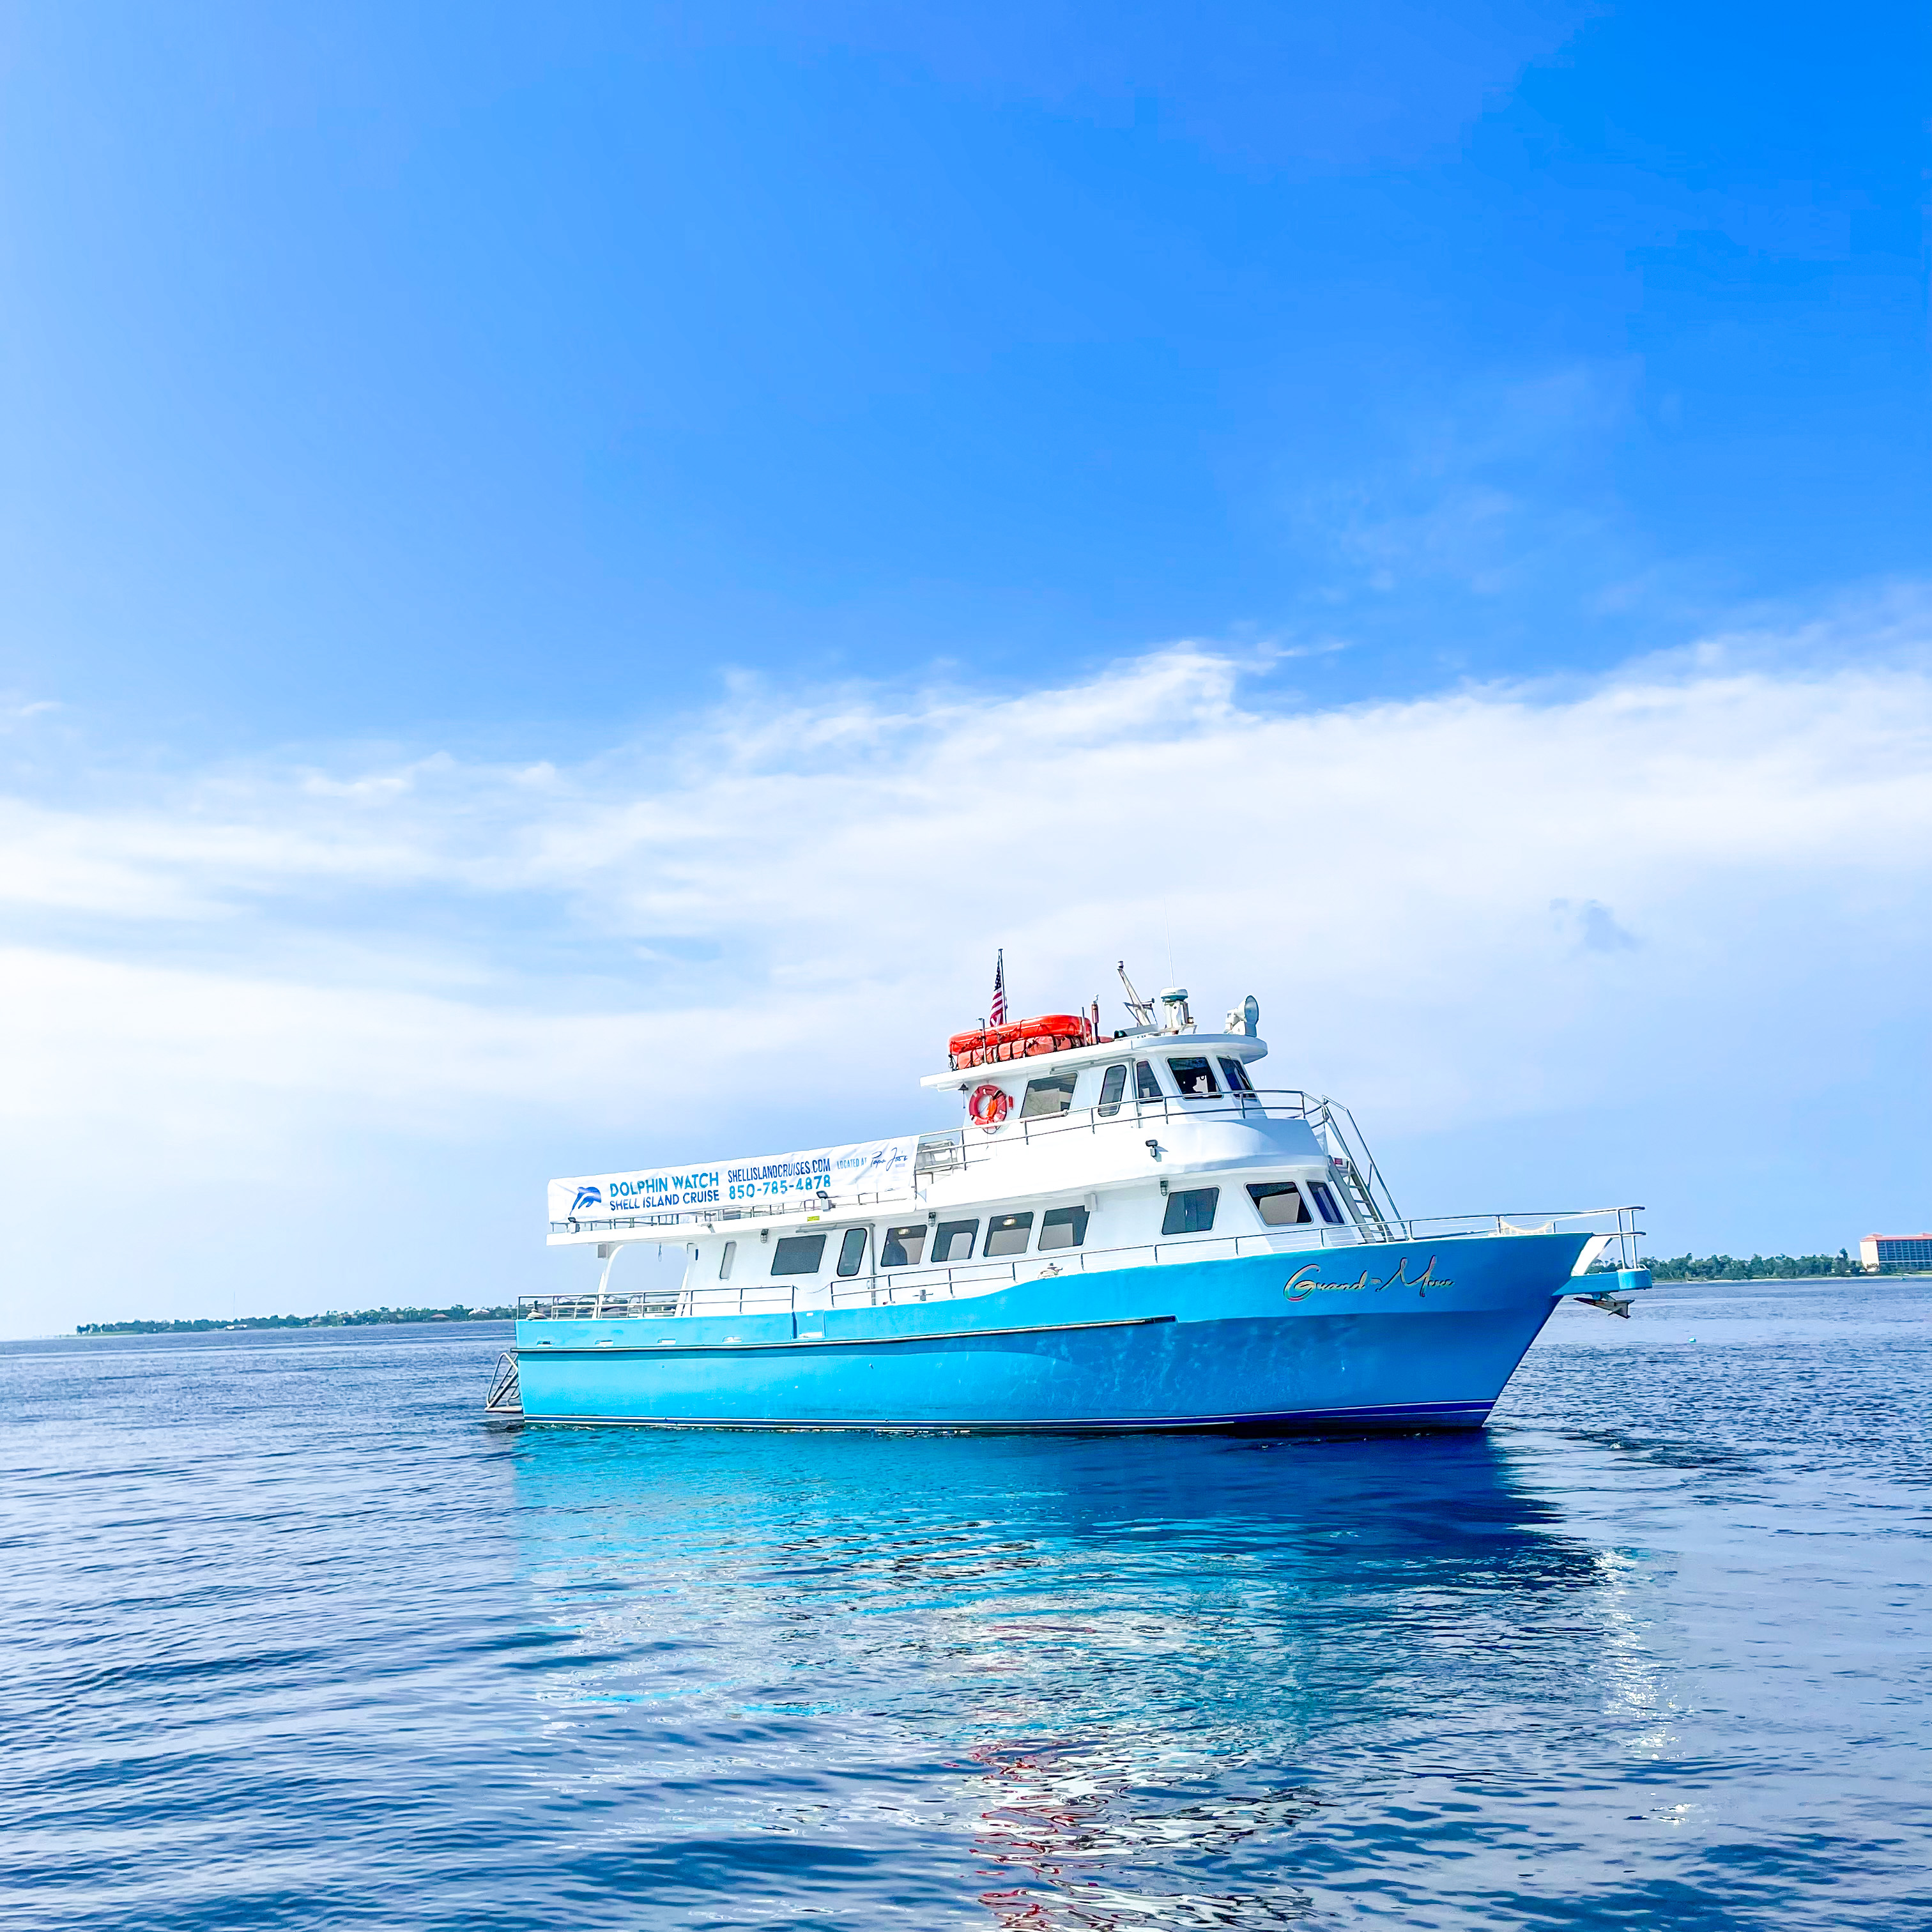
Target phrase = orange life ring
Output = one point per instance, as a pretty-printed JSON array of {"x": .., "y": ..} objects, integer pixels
[{"x": 989, "y": 1106}]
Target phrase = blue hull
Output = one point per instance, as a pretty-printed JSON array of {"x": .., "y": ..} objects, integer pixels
[{"x": 1401, "y": 1334}]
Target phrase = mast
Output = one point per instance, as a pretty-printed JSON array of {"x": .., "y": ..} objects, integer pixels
[{"x": 1141, "y": 1009}]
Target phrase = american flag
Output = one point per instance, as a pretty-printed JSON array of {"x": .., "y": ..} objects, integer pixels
[{"x": 997, "y": 1016}]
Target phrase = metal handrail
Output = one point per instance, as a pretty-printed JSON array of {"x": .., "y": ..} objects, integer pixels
[
  {"x": 1268, "y": 1103},
  {"x": 1278, "y": 1103},
  {"x": 506, "y": 1396},
  {"x": 901, "y": 1285},
  {"x": 1348, "y": 1147}
]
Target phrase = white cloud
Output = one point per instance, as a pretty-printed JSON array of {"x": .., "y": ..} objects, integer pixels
[{"x": 764, "y": 923}]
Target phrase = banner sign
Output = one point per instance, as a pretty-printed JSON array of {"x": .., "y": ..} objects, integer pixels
[{"x": 860, "y": 1167}]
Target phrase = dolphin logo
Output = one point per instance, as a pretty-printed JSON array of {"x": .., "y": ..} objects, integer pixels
[{"x": 587, "y": 1197}]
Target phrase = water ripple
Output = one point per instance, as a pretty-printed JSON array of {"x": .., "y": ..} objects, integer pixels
[{"x": 298, "y": 1641}]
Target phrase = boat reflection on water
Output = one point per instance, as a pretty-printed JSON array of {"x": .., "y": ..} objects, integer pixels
[
  {"x": 1070, "y": 1823},
  {"x": 1077, "y": 1682}
]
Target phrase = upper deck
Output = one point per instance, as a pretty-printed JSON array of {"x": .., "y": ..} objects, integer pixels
[{"x": 1115, "y": 1114}]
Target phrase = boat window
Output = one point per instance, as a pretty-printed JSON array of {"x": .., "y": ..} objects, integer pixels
[
  {"x": 1053, "y": 1095},
  {"x": 952, "y": 1241},
  {"x": 730, "y": 1254},
  {"x": 1194, "y": 1078},
  {"x": 903, "y": 1246},
  {"x": 1325, "y": 1201},
  {"x": 852, "y": 1251},
  {"x": 1236, "y": 1075},
  {"x": 1063, "y": 1227},
  {"x": 1146, "y": 1087},
  {"x": 1191, "y": 1212},
  {"x": 1008, "y": 1234},
  {"x": 798, "y": 1254},
  {"x": 1111, "y": 1088},
  {"x": 1280, "y": 1204}
]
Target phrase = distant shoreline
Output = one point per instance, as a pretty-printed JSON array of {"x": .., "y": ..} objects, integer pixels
[
  {"x": 361, "y": 1318},
  {"x": 1758, "y": 1268}
]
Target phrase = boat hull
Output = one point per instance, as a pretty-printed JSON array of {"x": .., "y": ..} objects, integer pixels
[{"x": 1395, "y": 1335}]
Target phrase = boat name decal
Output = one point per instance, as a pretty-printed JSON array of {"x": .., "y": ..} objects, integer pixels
[{"x": 1298, "y": 1287}]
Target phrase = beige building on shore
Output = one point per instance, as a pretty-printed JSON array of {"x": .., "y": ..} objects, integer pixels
[{"x": 1896, "y": 1254}]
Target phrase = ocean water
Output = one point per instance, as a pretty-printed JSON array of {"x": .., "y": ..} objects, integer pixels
[{"x": 294, "y": 1639}]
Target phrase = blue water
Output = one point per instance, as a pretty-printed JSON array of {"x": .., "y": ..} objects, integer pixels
[{"x": 294, "y": 1639}]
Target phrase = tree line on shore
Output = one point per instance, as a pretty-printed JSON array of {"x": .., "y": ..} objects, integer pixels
[
  {"x": 360, "y": 1317},
  {"x": 1759, "y": 1267}
]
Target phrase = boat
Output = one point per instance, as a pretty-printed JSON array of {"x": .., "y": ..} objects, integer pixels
[{"x": 1127, "y": 1231}]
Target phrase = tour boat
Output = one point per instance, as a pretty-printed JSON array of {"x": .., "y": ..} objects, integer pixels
[{"x": 1126, "y": 1231}]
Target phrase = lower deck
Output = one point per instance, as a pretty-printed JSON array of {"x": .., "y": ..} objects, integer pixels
[
  {"x": 1402, "y": 1333},
  {"x": 872, "y": 1274}
]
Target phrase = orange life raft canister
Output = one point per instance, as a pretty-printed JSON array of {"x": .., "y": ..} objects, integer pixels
[{"x": 1050, "y": 1032}]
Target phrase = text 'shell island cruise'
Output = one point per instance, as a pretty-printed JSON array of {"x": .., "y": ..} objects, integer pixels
[{"x": 1128, "y": 1232}]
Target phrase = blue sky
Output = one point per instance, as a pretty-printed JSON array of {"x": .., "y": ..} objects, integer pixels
[
  {"x": 463, "y": 365},
  {"x": 420, "y": 420}
]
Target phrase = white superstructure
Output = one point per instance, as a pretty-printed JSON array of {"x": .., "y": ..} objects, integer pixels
[{"x": 1157, "y": 1143}]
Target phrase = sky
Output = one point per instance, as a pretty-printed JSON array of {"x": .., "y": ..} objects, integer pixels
[{"x": 571, "y": 573}]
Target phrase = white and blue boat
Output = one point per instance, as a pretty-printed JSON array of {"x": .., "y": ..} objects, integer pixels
[{"x": 1126, "y": 1232}]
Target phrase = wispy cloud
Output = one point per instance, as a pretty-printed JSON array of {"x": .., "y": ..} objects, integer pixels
[
  {"x": 1495, "y": 507},
  {"x": 16, "y": 710},
  {"x": 766, "y": 918}
]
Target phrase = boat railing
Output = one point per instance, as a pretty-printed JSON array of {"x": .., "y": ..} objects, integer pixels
[
  {"x": 960, "y": 1149},
  {"x": 1617, "y": 1226},
  {"x": 1356, "y": 1173}
]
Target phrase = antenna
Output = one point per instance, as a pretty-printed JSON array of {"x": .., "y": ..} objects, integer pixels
[{"x": 1141, "y": 1010}]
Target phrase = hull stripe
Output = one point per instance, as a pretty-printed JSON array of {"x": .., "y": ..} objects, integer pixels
[
  {"x": 1472, "y": 1413},
  {"x": 667, "y": 1349}
]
